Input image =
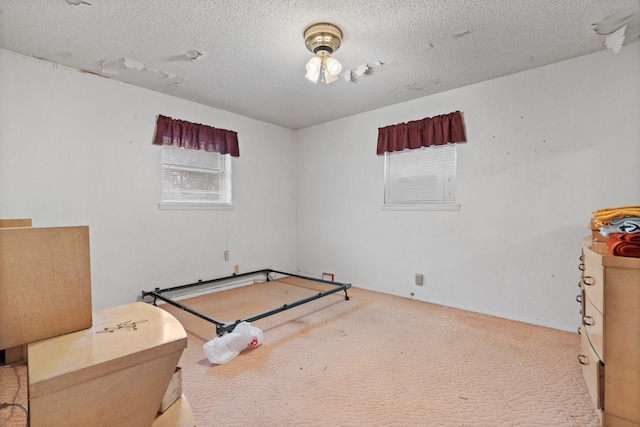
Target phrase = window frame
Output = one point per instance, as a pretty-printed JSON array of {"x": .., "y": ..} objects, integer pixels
[
  {"x": 225, "y": 171},
  {"x": 424, "y": 205}
]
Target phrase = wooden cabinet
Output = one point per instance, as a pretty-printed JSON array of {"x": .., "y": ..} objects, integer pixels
[
  {"x": 45, "y": 283},
  {"x": 610, "y": 349},
  {"x": 112, "y": 374}
]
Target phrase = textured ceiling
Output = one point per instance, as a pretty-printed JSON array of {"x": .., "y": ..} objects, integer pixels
[{"x": 248, "y": 57}]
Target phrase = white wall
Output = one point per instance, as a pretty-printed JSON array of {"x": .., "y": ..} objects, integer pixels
[
  {"x": 75, "y": 149},
  {"x": 545, "y": 148}
]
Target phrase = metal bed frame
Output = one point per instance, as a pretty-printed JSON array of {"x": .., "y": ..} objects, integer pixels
[{"x": 224, "y": 327}]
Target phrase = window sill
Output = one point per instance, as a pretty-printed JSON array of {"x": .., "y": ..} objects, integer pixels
[
  {"x": 194, "y": 207},
  {"x": 421, "y": 207}
]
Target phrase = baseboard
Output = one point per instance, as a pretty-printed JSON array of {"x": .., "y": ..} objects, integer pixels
[{"x": 487, "y": 312}]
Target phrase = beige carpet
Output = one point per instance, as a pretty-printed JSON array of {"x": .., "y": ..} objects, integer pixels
[
  {"x": 380, "y": 360},
  {"x": 373, "y": 360},
  {"x": 13, "y": 389}
]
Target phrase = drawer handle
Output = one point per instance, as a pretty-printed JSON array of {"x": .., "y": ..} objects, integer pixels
[
  {"x": 581, "y": 266},
  {"x": 579, "y": 298},
  {"x": 588, "y": 321},
  {"x": 588, "y": 280},
  {"x": 583, "y": 360}
]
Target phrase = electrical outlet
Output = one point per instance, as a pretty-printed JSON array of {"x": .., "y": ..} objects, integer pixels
[
  {"x": 419, "y": 279},
  {"x": 226, "y": 255},
  {"x": 236, "y": 269}
]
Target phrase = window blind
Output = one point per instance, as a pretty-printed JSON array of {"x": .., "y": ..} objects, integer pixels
[
  {"x": 195, "y": 176},
  {"x": 421, "y": 176}
]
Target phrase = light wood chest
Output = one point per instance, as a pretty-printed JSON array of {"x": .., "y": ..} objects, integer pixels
[{"x": 610, "y": 333}]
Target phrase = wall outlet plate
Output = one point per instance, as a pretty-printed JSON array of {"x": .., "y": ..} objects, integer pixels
[{"x": 419, "y": 279}]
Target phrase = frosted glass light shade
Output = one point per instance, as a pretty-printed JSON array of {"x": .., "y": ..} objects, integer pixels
[
  {"x": 313, "y": 69},
  {"x": 325, "y": 69},
  {"x": 332, "y": 65}
]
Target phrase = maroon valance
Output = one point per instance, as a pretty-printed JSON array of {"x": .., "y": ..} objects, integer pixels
[
  {"x": 438, "y": 130},
  {"x": 195, "y": 136}
]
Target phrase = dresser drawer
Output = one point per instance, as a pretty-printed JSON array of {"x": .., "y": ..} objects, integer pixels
[
  {"x": 593, "y": 282},
  {"x": 592, "y": 370},
  {"x": 593, "y": 327}
]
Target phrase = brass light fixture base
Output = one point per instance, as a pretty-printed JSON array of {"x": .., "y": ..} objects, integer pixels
[{"x": 323, "y": 37}]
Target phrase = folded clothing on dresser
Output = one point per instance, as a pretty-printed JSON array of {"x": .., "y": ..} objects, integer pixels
[
  {"x": 604, "y": 216},
  {"x": 625, "y": 224},
  {"x": 624, "y": 244}
]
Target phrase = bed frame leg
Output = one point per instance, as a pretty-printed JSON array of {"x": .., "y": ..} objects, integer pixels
[{"x": 155, "y": 299}]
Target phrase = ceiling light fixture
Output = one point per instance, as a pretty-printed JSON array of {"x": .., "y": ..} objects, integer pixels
[{"x": 322, "y": 40}]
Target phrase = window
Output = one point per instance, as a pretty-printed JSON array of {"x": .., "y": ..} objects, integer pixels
[
  {"x": 423, "y": 178},
  {"x": 195, "y": 177}
]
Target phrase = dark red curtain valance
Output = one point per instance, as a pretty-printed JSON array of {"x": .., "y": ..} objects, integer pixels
[
  {"x": 195, "y": 136},
  {"x": 438, "y": 130}
]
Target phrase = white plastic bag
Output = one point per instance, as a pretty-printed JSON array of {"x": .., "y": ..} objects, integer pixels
[{"x": 222, "y": 349}]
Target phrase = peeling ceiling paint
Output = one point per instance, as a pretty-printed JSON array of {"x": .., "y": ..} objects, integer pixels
[
  {"x": 189, "y": 56},
  {"x": 134, "y": 72},
  {"x": 78, "y": 2},
  {"x": 615, "y": 40},
  {"x": 248, "y": 57},
  {"x": 423, "y": 85},
  {"x": 442, "y": 40},
  {"x": 192, "y": 55},
  {"x": 363, "y": 70},
  {"x": 621, "y": 28},
  {"x": 613, "y": 22}
]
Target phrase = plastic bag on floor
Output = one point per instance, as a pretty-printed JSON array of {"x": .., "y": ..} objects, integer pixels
[{"x": 224, "y": 348}]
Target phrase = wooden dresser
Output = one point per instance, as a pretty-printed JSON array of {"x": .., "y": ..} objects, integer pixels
[{"x": 610, "y": 333}]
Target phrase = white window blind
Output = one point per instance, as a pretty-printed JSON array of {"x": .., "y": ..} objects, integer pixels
[
  {"x": 195, "y": 176},
  {"x": 421, "y": 176}
]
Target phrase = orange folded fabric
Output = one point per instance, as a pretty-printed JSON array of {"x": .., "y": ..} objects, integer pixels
[
  {"x": 624, "y": 244},
  {"x": 602, "y": 217}
]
